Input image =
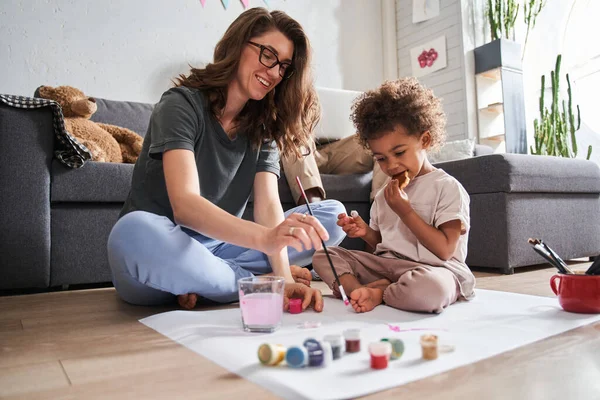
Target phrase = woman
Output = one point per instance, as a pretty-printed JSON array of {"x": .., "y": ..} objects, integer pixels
[{"x": 212, "y": 140}]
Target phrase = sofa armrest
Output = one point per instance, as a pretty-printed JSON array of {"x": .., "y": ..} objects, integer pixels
[
  {"x": 26, "y": 143},
  {"x": 522, "y": 173}
]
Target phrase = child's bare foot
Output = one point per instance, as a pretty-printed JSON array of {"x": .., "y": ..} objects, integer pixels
[
  {"x": 365, "y": 299},
  {"x": 301, "y": 275},
  {"x": 187, "y": 301}
]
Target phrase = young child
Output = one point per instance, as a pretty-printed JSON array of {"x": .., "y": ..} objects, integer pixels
[{"x": 420, "y": 232}]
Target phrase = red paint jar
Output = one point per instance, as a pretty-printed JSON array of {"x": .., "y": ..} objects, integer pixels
[
  {"x": 295, "y": 306},
  {"x": 380, "y": 354},
  {"x": 352, "y": 338}
]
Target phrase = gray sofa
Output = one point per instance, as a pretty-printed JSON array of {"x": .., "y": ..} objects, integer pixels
[{"x": 55, "y": 220}]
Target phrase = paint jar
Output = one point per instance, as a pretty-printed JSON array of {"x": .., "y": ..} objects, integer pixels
[
  {"x": 271, "y": 354},
  {"x": 352, "y": 338},
  {"x": 397, "y": 348},
  {"x": 327, "y": 353},
  {"x": 380, "y": 354},
  {"x": 295, "y": 306},
  {"x": 296, "y": 357},
  {"x": 315, "y": 352},
  {"x": 429, "y": 347},
  {"x": 337, "y": 345}
]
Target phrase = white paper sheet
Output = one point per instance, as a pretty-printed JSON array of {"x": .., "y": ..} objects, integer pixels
[
  {"x": 425, "y": 9},
  {"x": 441, "y": 62},
  {"x": 492, "y": 323}
]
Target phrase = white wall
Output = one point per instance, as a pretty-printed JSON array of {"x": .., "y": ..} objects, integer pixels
[
  {"x": 448, "y": 83},
  {"x": 129, "y": 50}
]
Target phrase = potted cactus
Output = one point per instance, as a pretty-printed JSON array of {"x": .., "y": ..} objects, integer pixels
[
  {"x": 554, "y": 131},
  {"x": 501, "y": 16}
]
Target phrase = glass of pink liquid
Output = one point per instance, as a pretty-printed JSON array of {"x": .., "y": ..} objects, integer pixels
[{"x": 261, "y": 302}]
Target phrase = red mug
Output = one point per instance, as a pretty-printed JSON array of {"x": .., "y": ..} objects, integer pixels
[{"x": 577, "y": 293}]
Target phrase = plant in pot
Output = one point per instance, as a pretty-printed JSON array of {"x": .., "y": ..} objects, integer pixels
[
  {"x": 502, "y": 59},
  {"x": 501, "y": 15},
  {"x": 554, "y": 131}
]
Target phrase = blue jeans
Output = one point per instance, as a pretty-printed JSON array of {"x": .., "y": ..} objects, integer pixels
[{"x": 152, "y": 259}]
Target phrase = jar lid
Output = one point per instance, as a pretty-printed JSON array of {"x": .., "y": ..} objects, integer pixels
[
  {"x": 296, "y": 357},
  {"x": 334, "y": 340},
  {"x": 352, "y": 334},
  {"x": 380, "y": 348}
]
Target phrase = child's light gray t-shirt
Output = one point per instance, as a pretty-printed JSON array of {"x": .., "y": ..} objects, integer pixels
[
  {"x": 437, "y": 198},
  {"x": 226, "y": 167}
]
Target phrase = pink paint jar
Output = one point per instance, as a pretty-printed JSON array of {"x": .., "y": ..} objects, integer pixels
[{"x": 295, "y": 306}]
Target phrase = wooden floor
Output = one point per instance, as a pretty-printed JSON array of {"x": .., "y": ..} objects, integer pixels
[{"x": 89, "y": 344}]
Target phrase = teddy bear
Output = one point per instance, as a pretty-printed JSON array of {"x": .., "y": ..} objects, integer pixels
[{"x": 108, "y": 143}]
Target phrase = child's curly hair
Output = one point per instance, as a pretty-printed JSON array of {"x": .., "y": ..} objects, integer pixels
[{"x": 401, "y": 102}]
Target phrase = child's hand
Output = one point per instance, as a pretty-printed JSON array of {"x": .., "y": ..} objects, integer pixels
[
  {"x": 355, "y": 227},
  {"x": 397, "y": 199}
]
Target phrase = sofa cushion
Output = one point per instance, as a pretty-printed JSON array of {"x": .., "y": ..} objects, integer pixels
[
  {"x": 354, "y": 188},
  {"x": 101, "y": 182},
  {"x": 455, "y": 150},
  {"x": 97, "y": 182},
  {"x": 345, "y": 188},
  {"x": 127, "y": 114},
  {"x": 335, "y": 121},
  {"x": 524, "y": 173}
]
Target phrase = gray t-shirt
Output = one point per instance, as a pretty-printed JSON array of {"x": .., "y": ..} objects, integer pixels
[{"x": 226, "y": 167}]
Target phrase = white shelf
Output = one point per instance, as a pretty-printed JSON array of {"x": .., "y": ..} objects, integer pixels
[
  {"x": 494, "y": 108},
  {"x": 496, "y": 137},
  {"x": 493, "y": 74}
]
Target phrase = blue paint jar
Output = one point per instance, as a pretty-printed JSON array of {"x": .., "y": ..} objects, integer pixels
[{"x": 296, "y": 357}]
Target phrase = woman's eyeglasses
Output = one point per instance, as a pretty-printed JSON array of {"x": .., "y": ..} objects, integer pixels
[{"x": 269, "y": 59}]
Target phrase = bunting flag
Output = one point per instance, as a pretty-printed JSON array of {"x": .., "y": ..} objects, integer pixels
[
  {"x": 245, "y": 3},
  {"x": 225, "y": 3},
  {"x": 202, "y": 2}
]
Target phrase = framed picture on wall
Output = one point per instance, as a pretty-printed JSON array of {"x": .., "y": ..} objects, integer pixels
[
  {"x": 425, "y": 9},
  {"x": 428, "y": 57}
]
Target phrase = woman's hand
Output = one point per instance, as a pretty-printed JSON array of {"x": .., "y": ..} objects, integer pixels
[
  {"x": 297, "y": 231},
  {"x": 397, "y": 199},
  {"x": 310, "y": 297},
  {"x": 354, "y": 227}
]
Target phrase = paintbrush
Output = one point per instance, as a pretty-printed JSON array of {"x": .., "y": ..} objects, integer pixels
[
  {"x": 545, "y": 251},
  {"x": 594, "y": 269},
  {"x": 337, "y": 278},
  {"x": 556, "y": 257}
]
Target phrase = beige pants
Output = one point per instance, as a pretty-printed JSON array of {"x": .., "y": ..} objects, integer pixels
[
  {"x": 342, "y": 157},
  {"x": 414, "y": 287}
]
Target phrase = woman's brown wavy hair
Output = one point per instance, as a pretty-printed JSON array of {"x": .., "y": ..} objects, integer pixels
[{"x": 289, "y": 112}]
